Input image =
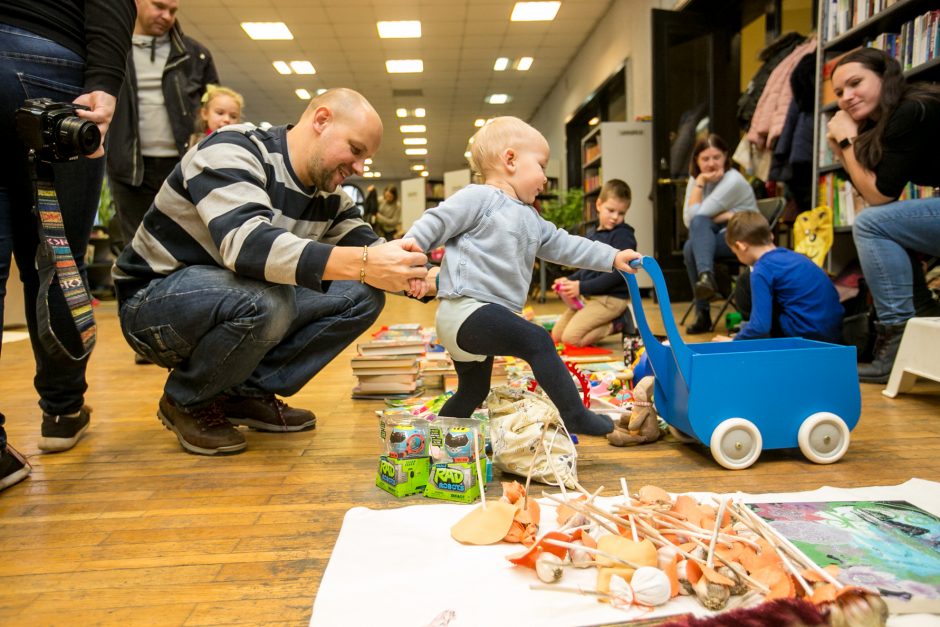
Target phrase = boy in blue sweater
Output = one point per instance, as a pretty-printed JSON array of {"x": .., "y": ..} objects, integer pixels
[
  {"x": 790, "y": 295},
  {"x": 492, "y": 236},
  {"x": 608, "y": 293}
]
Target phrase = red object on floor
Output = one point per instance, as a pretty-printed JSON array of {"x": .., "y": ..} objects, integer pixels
[{"x": 583, "y": 351}]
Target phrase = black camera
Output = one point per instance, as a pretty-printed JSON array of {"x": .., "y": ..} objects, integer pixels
[{"x": 54, "y": 132}]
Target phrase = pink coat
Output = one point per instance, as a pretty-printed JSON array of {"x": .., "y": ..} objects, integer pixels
[{"x": 771, "y": 111}]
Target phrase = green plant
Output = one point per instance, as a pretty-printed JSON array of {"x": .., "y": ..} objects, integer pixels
[
  {"x": 105, "y": 204},
  {"x": 567, "y": 210}
]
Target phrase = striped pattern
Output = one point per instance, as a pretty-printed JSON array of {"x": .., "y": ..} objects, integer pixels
[
  {"x": 73, "y": 287},
  {"x": 234, "y": 202}
]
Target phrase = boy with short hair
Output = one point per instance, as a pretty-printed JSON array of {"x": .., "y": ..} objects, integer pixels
[
  {"x": 492, "y": 236},
  {"x": 608, "y": 293},
  {"x": 790, "y": 295}
]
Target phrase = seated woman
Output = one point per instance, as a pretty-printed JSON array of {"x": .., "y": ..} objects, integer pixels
[
  {"x": 714, "y": 193},
  {"x": 885, "y": 134}
]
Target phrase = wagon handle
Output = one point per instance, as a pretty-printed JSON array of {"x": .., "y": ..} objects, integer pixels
[{"x": 658, "y": 352}]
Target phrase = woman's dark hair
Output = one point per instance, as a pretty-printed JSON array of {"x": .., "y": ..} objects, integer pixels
[
  {"x": 894, "y": 90},
  {"x": 712, "y": 141},
  {"x": 391, "y": 189}
]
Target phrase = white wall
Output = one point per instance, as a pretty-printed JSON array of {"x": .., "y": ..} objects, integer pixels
[{"x": 624, "y": 32}]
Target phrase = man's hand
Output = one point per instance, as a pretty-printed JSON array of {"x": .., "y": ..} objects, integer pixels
[
  {"x": 623, "y": 259},
  {"x": 392, "y": 266},
  {"x": 101, "y": 105}
]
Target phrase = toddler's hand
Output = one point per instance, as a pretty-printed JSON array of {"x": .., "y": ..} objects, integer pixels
[
  {"x": 623, "y": 259},
  {"x": 417, "y": 288}
]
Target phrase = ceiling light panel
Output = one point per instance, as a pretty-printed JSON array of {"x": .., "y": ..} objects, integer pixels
[
  {"x": 404, "y": 66},
  {"x": 524, "y": 63},
  {"x": 534, "y": 11},
  {"x": 303, "y": 67},
  {"x": 267, "y": 30},
  {"x": 415, "y": 141},
  {"x": 281, "y": 67},
  {"x": 412, "y": 128},
  {"x": 399, "y": 30},
  {"x": 498, "y": 98},
  {"x": 416, "y": 151},
  {"x": 303, "y": 94},
  {"x": 419, "y": 112},
  {"x": 501, "y": 64}
]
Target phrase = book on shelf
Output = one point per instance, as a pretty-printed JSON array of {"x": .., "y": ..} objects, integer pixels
[{"x": 392, "y": 347}]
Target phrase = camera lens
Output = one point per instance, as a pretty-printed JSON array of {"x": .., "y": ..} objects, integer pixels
[{"x": 79, "y": 134}]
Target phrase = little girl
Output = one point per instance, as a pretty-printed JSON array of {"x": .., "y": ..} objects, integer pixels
[{"x": 221, "y": 106}]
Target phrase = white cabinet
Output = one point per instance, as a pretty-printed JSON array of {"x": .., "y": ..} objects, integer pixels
[{"x": 622, "y": 150}]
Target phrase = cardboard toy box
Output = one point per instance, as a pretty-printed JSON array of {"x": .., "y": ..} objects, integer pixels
[
  {"x": 401, "y": 477},
  {"x": 454, "y": 481}
]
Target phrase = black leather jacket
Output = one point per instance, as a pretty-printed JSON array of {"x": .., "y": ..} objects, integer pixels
[{"x": 189, "y": 68}]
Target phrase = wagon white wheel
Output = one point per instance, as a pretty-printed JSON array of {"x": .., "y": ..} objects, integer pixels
[
  {"x": 679, "y": 435},
  {"x": 736, "y": 443},
  {"x": 824, "y": 438}
]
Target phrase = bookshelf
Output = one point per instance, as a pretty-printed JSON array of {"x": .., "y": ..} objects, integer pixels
[{"x": 907, "y": 29}]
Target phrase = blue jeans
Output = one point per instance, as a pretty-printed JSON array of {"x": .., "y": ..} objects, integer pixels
[
  {"x": 705, "y": 244},
  {"x": 221, "y": 333},
  {"x": 883, "y": 236},
  {"x": 34, "y": 67}
]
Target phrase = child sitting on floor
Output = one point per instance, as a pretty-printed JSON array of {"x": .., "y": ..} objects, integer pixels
[
  {"x": 608, "y": 293},
  {"x": 492, "y": 236},
  {"x": 790, "y": 295}
]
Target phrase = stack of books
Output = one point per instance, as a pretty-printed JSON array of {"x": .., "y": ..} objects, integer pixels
[{"x": 387, "y": 365}]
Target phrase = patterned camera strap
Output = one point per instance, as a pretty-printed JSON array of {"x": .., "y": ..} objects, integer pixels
[{"x": 54, "y": 258}]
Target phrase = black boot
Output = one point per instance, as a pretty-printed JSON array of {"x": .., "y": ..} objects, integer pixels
[
  {"x": 702, "y": 324},
  {"x": 706, "y": 288},
  {"x": 887, "y": 343}
]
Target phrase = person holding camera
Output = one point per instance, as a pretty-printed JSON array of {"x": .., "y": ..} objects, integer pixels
[
  {"x": 70, "y": 52},
  {"x": 167, "y": 74}
]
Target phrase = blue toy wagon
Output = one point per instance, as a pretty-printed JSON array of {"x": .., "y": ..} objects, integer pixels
[{"x": 742, "y": 397}]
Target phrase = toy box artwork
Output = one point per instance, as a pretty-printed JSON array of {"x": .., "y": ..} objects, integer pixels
[
  {"x": 457, "y": 446},
  {"x": 403, "y": 466},
  {"x": 455, "y": 481}
]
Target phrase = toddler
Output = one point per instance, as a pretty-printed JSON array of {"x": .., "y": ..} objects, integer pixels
[
  {"x": 221, "y": 106},
  {"x": 492, "y": 236}
]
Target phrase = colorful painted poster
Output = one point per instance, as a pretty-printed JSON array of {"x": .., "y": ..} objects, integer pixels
[{"x": 892, "y": 546}]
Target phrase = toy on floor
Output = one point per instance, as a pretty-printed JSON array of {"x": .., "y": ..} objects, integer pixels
[
  {"x": 642, "y": 425},
  {"x": 739, "y": 398}
]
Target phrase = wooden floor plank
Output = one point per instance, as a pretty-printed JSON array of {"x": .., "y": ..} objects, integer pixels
[{"x": 128, "y": 528}]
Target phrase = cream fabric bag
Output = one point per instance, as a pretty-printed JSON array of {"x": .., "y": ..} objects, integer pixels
[{"x": 527, "y": 432}]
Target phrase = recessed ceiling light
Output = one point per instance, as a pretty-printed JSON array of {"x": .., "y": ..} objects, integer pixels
[
  {"x": 593, "y": 121},
  {"x": 416, "y": 151},
  {"x": 466, "y": 155},
  {"x": 377, "y": 175},
  {"x": 524, "y": 63},
  {"x": 419, "y": 112},
  {"x": 367, "y": 175},
  {"x": 479, "y": 122},
  {"x": 417, "y": 167},
  {"x": 501, "y": 64},
  {"x": 498, "y": 98},
  {"x": 534, "y": 11},
  {"x": 399, "y": 30},
  {"x": 412, "y": 128},
  {"x": 425, "y": 173},
  {"x": 402, "y": 113},
  {"x": 404, "y": 66},
  {"x": 366, "y": 168},
  {"x": 267, "y": 30},
  {"x": 303, "y": 67},
  {"x": 281, "y": 67},
  {"x": 303, "y": 94},
  {"x": 368, "y": 162},
  {"x": 322, "y": 91},
  {"x": 415, "y": 141}
]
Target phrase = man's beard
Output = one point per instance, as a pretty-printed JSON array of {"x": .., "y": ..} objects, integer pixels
[{"x": 321, "y": 177}]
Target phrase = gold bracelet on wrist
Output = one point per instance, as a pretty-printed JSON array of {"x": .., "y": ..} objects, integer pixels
[{"x": 362, "y": 269}]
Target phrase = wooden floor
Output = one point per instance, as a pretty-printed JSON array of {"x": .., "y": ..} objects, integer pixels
[{"x": 128, "y": 529}]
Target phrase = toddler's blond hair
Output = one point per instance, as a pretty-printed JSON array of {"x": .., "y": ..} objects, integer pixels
[
  {"x": 217, "y": 90},
  {"x": 488, "y": 143}
]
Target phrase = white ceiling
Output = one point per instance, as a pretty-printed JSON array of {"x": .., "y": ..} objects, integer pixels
[{"x": 460, "y": 42}]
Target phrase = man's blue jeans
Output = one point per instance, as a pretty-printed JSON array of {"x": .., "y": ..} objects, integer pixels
[
  {"x": 705, "y": 244},
  {"x": 222, "y": 333},
  {"x": 34, "y": 67},
  {"x": 883, "y": 236}
]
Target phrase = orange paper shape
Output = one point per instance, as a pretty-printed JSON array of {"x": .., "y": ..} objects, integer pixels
[
  {"x": 527, "y": 558},
  {"x": 564, "y": 511},
  {"x": 484, "y": 526},
  {"x": 776, "y": 578},
  {"x": 695, "y": 571}
]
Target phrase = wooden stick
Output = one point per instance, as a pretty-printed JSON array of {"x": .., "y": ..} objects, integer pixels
[
  {"x": 528, "y": 477},
  {"x": 476, "y": 451},
  {"x": 710, "y": 559},
  {"x": 581, "y": 508},
  {"x": 736, "y": 568}
]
